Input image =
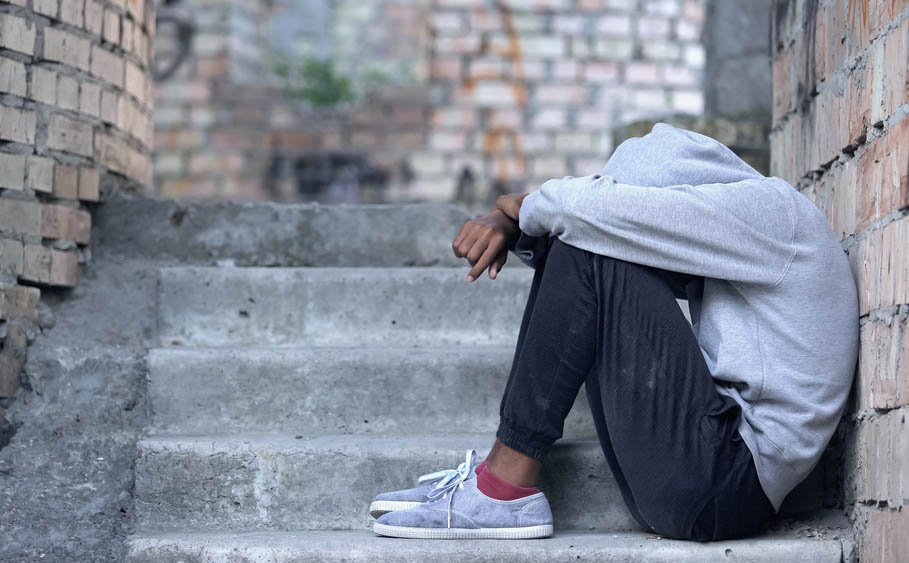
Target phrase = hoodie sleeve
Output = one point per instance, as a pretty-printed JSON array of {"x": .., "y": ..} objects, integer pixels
[{"x": 742, "y": 231}]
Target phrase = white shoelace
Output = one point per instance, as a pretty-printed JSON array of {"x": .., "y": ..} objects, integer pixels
[{"x": 450, "y": 480}]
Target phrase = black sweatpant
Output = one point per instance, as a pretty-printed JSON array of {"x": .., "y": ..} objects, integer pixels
[{"x": 670, "y": 438}]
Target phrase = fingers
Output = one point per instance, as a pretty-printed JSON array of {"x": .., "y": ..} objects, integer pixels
[
  {"x": 456, "y": 243},
  {"x": 490, "y": 248},
  {"x": 467, "y": 243},
  {"x": 497, "y": 264}
]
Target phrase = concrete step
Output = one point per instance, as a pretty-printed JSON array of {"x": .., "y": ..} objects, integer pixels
[
  {"x": 334, "y": 390},
  {"x": 270, "y": 234},
  {"x": 279, "y": 482},
  {"x": 353, "y": 307},
  {"x": 362, "y": 546}
]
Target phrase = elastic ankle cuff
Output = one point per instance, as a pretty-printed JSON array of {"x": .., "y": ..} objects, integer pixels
[{"x": 528, "y": 443}]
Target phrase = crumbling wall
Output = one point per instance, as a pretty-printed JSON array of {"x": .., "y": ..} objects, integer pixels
[
  {"x": 75, "y": 127},
  {"x": 75, "y": 122},
  {"x": 841, "y": 135}
]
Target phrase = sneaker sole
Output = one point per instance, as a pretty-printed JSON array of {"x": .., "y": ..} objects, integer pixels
[
  {"x": 525, "y": 533},
  {"x": 380, "y": 507}
]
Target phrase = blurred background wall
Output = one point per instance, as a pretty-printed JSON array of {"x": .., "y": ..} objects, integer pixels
[{"x": 419, "y": 100}]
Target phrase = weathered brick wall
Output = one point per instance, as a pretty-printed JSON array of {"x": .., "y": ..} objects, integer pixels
[
  {"x": 75, "y": 121},
  {"x": 841, "y": 135},
  {"x": 505, "y": 95}
]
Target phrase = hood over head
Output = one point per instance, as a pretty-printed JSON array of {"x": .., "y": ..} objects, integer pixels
[{"x": 669, "y": 156}]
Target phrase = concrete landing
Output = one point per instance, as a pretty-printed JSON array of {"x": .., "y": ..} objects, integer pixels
[{"x": 363, "y": 546}]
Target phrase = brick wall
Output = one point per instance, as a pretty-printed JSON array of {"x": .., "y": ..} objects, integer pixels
[
  {"x": 502, "y": 96},
  {"x": 75, "y": 121},
  {"x": 841, "y": 135}
]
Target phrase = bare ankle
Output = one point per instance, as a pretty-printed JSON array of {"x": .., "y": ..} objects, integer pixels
[{"x": 512, "y": 466}]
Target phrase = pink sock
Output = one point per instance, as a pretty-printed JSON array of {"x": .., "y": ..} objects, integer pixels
[{"x": 493, "y": 487}]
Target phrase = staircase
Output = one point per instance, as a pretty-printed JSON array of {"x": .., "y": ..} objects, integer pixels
[{"x": 284, "y": 398}]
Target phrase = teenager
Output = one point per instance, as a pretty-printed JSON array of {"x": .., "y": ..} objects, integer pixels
[{"x": 706, "y": 426}]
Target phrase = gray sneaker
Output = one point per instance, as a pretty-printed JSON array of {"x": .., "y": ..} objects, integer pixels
[
  {"x": 463, "y": 512},
  {"x": 428, "y": 487}
]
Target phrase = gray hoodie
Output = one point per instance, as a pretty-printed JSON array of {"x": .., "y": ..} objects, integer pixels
[{"x": 776, "y": 316}]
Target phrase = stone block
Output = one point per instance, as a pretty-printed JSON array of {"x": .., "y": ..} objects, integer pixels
[
  {"x": 661, "y": 50},
  {"x": 89, "y": 184},
  {"x": 20, "y": 217},
  {"x": 18, "y": 302},
  {"x": 107, "y": 66},
  {"x": 598, "y": 71},
  {"x": 549, "y": 118},
  {"x": 612, "y": 49},
  {"x": 561, "y": 94},
  {"x": 48, "y": 8},
  {"x": 571, "y": 142},
  {"x": 448, "y": 141},
  {"x": 44, "y": 86},
  {"x": 64, "y": 270},
  {"x": 65, "y": 223},
  {"x": 68, "y": 92},
  {"x": 110, "y": 105},
  {"x": 69, "y": 135},
  {"x": 881, "y": 534},
  {"x": 136, "y": 82},
  {"x": 39, "y": 175},
  {"x": 883, "y": 377},
  {"x": 37, "y": 264},
  {"x": 136, "y": 9},
  {"x": 71, "y": 12},
  {"x": 127, "y": 35},
  {"x": 17, "y": 34},
  {"x": 65, "y": 47},
  {"x": 12, "y": 171},
  {"x": 614, "y": 24},
  {"x": 94, "y": 17},
  {"x": 10, "y": 257},
  {"x": 90, "y": 99},
  {"x": 111, "y": 32},
  {"x": 12, "y": 77},
  {"x": 653, "y": 27},
  {"x": 17, "y": 125},
  {"x": 498, "y": 93},
  {"x": 642, "y": 73},
  {"x": 66, "y": 181}
]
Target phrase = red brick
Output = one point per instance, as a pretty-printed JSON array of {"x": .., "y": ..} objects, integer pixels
[
  {"x": 64, "y": 269},
  {"x": 879, "y": 264},
  {"x": 878, "y": 458},
  {"x": 89, "y": 184},
  {"x": 883, "y": 175},
  {"x": 883, "y": 380},
  {"x": 67, "y": 223},
  {"x": 69, "y": 135},
  {"x": 65, "y": 47},
  {"x": 66, "y": 181},
  {"x": 881, "y": 534}
]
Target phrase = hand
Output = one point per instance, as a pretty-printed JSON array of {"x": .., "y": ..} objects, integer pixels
[
  {"x": 484, "y": 242},
  {"x": 510, "y": 205}
]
